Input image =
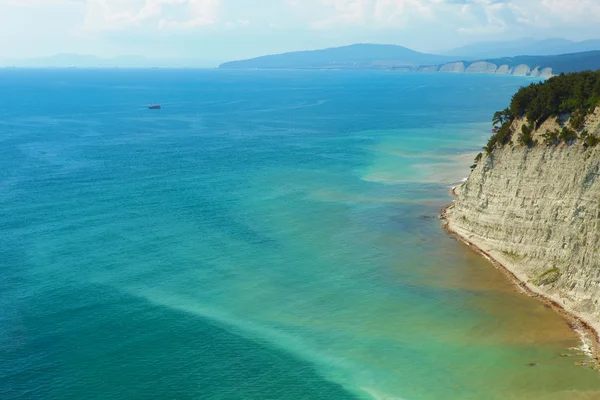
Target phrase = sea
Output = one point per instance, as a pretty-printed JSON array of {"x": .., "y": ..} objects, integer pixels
[{"x": 265, "y": 235}]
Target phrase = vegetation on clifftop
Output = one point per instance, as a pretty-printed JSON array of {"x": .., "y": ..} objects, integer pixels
[
  {"x": 575, "y": 95},
  {"x": 577, "y": 92}
]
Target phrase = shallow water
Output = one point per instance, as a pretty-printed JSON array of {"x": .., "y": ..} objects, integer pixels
[{"x": 265, "y": 235}]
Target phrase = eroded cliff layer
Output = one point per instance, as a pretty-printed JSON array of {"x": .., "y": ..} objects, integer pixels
[{"x": 537, "y": 211}]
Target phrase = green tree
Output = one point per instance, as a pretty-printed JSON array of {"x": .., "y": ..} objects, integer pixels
[{"x": 501, "y": 117}]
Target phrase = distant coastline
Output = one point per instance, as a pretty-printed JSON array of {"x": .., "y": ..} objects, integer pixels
[{"x": 402, "y": 59}]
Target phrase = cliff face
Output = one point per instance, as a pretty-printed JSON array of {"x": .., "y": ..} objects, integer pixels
[
  {"x": 504, "y": 70},
  {"x": 481, "y": 67},
  {"x": 537, "y": 211},
  {"x": 521, "y": 70},
  {"x": 536, "y": 67},
  {"x": 484, "y": 67},
  {"x": 457, "y": 67}
]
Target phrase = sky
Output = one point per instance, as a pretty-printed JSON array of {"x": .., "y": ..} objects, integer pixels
[{"x": 219, "y": 30}]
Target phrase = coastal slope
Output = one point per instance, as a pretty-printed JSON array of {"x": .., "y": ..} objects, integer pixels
[
  {"x": 532, "y": 203},
  {"x": 536, "y": 211}
]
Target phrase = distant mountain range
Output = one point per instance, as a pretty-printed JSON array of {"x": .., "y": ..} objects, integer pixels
[
  {"x": 561, "y": 56},
  {"x": 526, "y": 46},
  {"x": 89, "y": 61},
  {"x": 353, "y": 56}
]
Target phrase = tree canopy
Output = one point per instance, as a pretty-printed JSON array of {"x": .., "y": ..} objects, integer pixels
[{"x": 565, "y": 93}]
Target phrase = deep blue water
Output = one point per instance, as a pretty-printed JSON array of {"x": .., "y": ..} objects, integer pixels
[{"x": 266, "y": 235}]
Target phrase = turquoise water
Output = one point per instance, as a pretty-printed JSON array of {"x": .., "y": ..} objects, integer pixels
[{"x": 266, "y": 235}]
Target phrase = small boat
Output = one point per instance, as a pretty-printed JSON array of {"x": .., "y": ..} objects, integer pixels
[{"x": 154, "y": 107}]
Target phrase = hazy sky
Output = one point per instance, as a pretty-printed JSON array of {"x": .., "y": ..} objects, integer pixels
[{"x": 218, "y": 30}]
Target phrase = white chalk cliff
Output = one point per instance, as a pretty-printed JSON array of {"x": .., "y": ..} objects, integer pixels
[
  {"x": 536, "y": 210},
  {"x": 484, "y": 67},
  {"x": 481, "y": 67},
  {"x": 456, "y": 67}
]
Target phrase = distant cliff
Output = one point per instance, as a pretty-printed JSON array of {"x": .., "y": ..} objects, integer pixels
[
  {"x": 535, "y": 66},
  {"x": 530, "y": 46},
  {"x": 488, "y": 67},
  {"x": 532, "y": 200}
]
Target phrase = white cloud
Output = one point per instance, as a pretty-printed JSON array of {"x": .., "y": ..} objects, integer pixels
[
  {"x": 342, "y": 12},
  {"x": 325, "y": 14},
  {"x": 392, "y": 11},
  {"x": 465, "y": 17},
  {"x": 256, "y": 26},
  {"x": 574, "y": 10},
  {"x": 468, "y": 17},
  {"x": 164, "y": 14},
  {"x": 34, "y": 3}
]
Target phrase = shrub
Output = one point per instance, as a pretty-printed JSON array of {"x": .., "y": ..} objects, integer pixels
[
  {"x": 526, "y": 137},
  {"x": 589, "y": 140},
  {"x": 551, "y": 137},
  {"x": 577, "y": 120},
  {"x": 592, "y": 141},
  {"x": 548, "y": 277},
  {"x": 567, "y": 135}
]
